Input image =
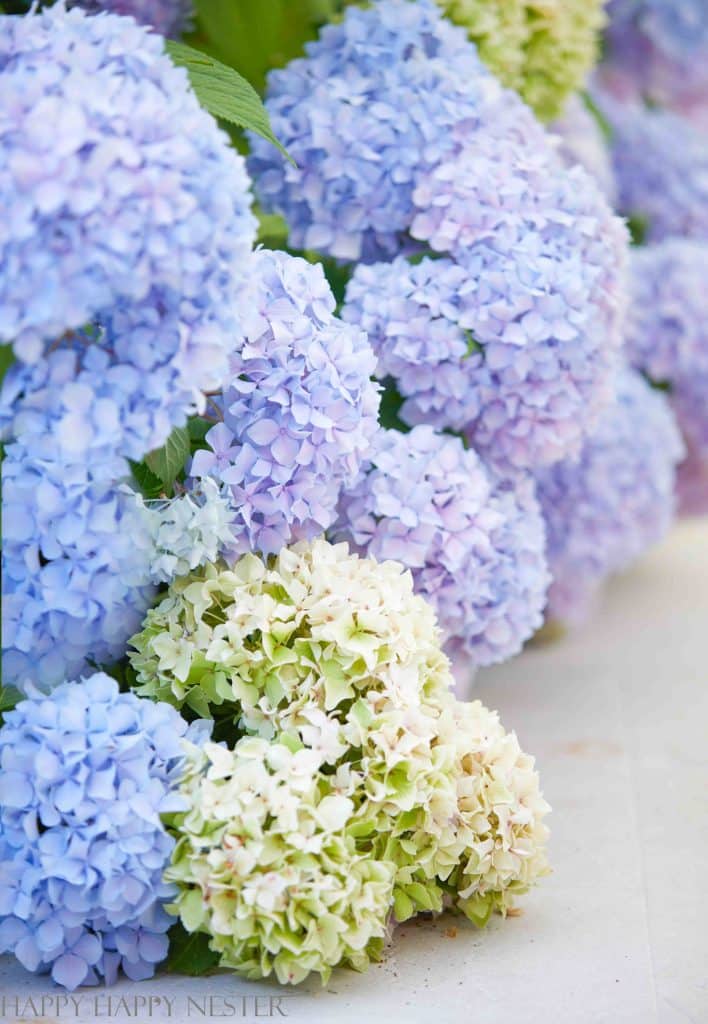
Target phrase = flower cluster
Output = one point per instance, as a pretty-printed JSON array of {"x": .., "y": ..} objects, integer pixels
[
  {"x": 168, "y": 17},
  {"x": 474, "y": 543},
  {"x": 516, "y": 343},
  {"x": 184, "y": 532},
  {"x": 584, "y": 142},
  {"x": 667, "y": 323},
  {"x": 661, "y": 166},
  {"x": 127, "y": 232},
  {"x": 266, "y": 866},
  {"x": 370, "y": 108},
  {"x": 75, "y": 584},
  {"x": 135, "y": 201},
  {"x": 544, "y": 51},
  {"x": 86, "y": 774},
  {"x": 365, "y": 779},
  {"x": 604, "y": 510},
  {"x": 299, "y": 411},
  {"x": 659, "y": 51}
]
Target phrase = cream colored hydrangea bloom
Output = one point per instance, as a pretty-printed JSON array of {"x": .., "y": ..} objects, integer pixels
[
  {"x": 542, "y": 48},
  {"x": 332, "y": 668},
  {"x": 264, "y": 865}
]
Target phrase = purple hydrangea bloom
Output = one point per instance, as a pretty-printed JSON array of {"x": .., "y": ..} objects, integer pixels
[
  {"x": 370, "y": 108},
  {"x": 545, "y": 257},
  {"x": 583, "y": 142},
  {"x": 667, "y": 323},
  {"x": 658, "y": 49},
  {"x": 135, "y": 199},
  {"x": 604, "y": 510},
  {"x": 509, "y": 346},
  {"x": 474, "y": 543},
  {"x": 86, "y": 774},
  {"x": 660, "y": 161},
  {"x": 168, "y": 17},
  {"x": 300, "y": 409},
  {"x": 420, "y": 318}
]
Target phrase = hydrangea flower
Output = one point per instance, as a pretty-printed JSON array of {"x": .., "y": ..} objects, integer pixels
[
  {"x": 185, "y": 532},
  {"x": 667, "y": 323},
  {"x": 75, "y": 581},
  {"x": 518, "y": 344},
  {"x": 86, "y": 774},
  {"x": 371, "y": 107},
  {"x": 499, "y": 812},
  {"x": 335, "y": 659},
  {"x": 544, "y": 51},
  {"x": 583, "y": 142},
  {"x": 135, "y": 200},
  {"x": 419, "y": 319},
  {"x": 315, "y": 609},
  {"x": 603, "y": 511},
  {"x": 660, "y": 161},
  {"x": 299, "y": 412},
  {"x": 265, "y": 866},
  {"x": 474, "y": 543},
  {"x": 332, "y": 651},
  {"x": 658, "y": 51},
  {"x": 168, "y": 17}
]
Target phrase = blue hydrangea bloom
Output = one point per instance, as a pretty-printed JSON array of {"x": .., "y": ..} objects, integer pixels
[
  {"x": 604, "y": 510},
  {"x": 86, "y": 774},
  {"x": 667, "y": 324},
  {"x": 168, "y": 17},
  {"x": 299, "y": 412},
  {"x": 473, "y": 542},
  {"x": 370, "y": 107},
  {"x": 660, "y": 161},
  {"x": 75, "y": 578},
  {"x": 658, "y": 49},
  {"x": 135, "y": 198}
]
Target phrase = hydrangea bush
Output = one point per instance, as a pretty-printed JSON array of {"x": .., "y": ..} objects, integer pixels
[{"x": 192, "y": 428}]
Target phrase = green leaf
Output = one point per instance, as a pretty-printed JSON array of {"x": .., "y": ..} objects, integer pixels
[
  {"x": 168, "y": 462},
  {"x": 224, "y": 92},
  {"x": 197, "y": 701},
  {"x": 190, "y": 954},
  {"x": 148, "y": 482},
  {"x": 9, "y": 697},
  {"x": 602, "y": 122},
  {"x": 402, "y": 906},
  {"x": 7, "y": 358},
  {"x": 638, "y": 226}
]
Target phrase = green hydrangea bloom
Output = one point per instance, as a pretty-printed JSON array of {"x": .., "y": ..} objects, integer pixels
[
  {"x": 542, "y": 48},
  {"x": 333, "y": 661},
  {"x": 264, "y": 865}
]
